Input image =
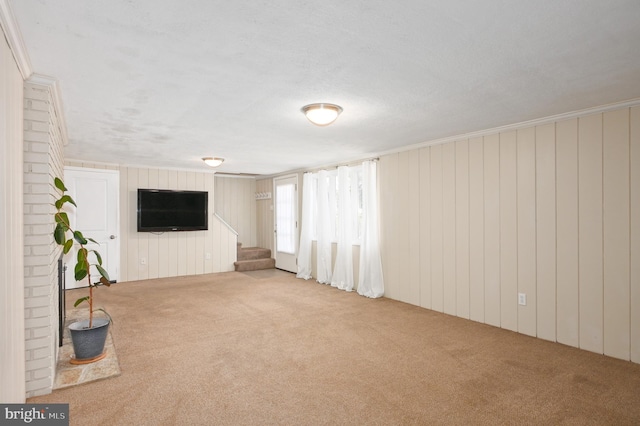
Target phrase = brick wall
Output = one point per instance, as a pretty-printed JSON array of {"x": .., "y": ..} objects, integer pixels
[{"x": 43, "y": 160}]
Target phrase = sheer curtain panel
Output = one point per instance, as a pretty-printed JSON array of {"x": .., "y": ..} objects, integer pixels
[
  {"x": 343, "y": 269},
  {"x": 370, "y": 280},
  {"x": 308, "y": 226}
]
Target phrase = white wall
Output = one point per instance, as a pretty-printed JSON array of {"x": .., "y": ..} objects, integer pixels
[
  {"x": 173, "y": 253},
  {"x": 12, "y": 344},
  {"x": 235, "y": 202},
  {"x": 552, "y": 211}
]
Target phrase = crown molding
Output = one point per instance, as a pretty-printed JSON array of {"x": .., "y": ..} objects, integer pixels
[
  {"x": 14, "y": 39},
  {"x": 523, "y": 124},
  {"x": 56, "y": 98}
]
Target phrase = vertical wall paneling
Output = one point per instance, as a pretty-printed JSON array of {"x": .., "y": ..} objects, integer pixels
[
  {"x": 476, "y": 229},
  {"x": 492, "y": 230},
  {"x": 200, "y": 236},
  {"x": 551, "y": 211},
  {"x": 590, "y": 232},
  {"x": 154, "y": 247},
  {"x": 172, "y": 237},
  {"x": 526, "y": 236},
  {"x": 425, "y": 227},
  {"x": 634, "y": 304},
  {"x": 616, "y": 329},
  {"x": 389, "y": 243},
  {"x": 449, "y": 227},
  {"x": 133, "y": 251},
  {"x": 182, "y": 236},
  {"x": 143, "y": 243},
  {"x": 545, "y": 228},
  {"x": 125, "y": 217},
  {"x": 437, "y": 274},
  {"x": 191, "y": 236},
  {"x": 508, "y": 232},
  {"x": 403, "y": 233},
  {"x": 163, "y": 243},
  {"x": 462, "y": 228},
  {"x": 567, "y": 290},
  {"x": 414, "y": 228}
]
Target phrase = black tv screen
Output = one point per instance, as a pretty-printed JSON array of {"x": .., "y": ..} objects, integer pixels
[{"x": 161, "y": 210}]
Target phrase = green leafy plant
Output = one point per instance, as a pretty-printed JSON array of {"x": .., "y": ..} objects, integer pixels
[{"x": 65, "y": 236}]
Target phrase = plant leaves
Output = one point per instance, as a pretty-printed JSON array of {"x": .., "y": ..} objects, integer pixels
[
  {"x": 80, "y": 271},
  {"x": 103, "y": 272},
  {"x": 67, "y": 246},
  {"x": 98, "y": 257},
  {"x": 64, "y": 199},
  {"x": 59, "y": 184},
  {"x": 62, "y": 219},
  {"x": 58, "y": 234},
  {"x": 82, "y": 257},
  {"x": 79, "y": 237},
  {"x": 105, "y": 281},
  {"x": 93, "y": 241},
  {"x": 79, "y": 301}
]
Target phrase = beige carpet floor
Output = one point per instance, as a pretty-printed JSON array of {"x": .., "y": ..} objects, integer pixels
[{"x": 266, "y": 348}]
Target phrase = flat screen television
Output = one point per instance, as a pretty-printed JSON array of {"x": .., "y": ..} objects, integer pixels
[{"x": 162, "y": 210}]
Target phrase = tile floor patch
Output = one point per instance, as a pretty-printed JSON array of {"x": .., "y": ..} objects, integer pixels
[{"x": 68, "y": 374}]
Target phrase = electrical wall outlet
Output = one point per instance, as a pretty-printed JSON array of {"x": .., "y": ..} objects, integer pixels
[{"x": 522, "y": 299}]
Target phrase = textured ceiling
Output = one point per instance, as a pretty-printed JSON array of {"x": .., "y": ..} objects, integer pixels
[{"x": 164, "y": 83}]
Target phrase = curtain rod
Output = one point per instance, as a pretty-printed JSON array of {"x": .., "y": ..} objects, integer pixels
[{"x": 335, "y": 166}]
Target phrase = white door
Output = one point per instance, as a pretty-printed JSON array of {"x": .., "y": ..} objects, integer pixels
[
  {"x": 286, "y": 222},
  {"x": 96, "y": 192}
]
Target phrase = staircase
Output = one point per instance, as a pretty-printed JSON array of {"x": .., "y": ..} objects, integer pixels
[{"x": 253, "y": 259}]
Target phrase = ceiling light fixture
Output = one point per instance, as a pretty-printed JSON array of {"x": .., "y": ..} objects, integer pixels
[
  {"x": 321, "y": 114},
  {"x": 213, "y": 161}
]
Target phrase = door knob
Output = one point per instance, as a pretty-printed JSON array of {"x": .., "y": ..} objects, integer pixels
[{"x": 113, "y": 237}]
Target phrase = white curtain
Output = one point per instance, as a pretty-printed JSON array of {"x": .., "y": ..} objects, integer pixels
[
  {"x": 307, "y": 233},
  {"x": 324, "y": 230},
  {"x": 370, "y": 280},
  {"x": 343, "y": 269},
  {"x": 332, "y": 212}
]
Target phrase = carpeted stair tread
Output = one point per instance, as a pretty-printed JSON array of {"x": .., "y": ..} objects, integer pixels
[
  {"x": 254, "y": 264},
  {"x": 253, "y": 253}
]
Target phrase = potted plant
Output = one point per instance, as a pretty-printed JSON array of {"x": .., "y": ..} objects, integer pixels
[{"x": 88, "y": 335}]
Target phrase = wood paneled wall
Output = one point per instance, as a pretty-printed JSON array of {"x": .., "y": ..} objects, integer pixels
[
  {"x": 551, "y": 211},
  {"x": 12, "y": 322},
  {"x": 173, "y": 253},
  {"x": 235, "y": 201}
]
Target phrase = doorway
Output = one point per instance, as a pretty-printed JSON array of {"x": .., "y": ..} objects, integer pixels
[
  {"x": 286, "y": 222},
  {"x": 96, "y": 192}
]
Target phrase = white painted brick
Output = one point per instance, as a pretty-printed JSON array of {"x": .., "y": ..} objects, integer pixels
[
  {"x": 40, "y": 250},
  {"x": 40, "y": 290},
  {"x": 40, "y": 312},
  {"x": 36, "y": 260},
  {"x": 35, "y": 92},
  {"x": 37, "y": 343},
  {"x": 38, "y": 146},
  {"x": 43, "y": 208},
  {"x": 43, "y": 373},
  {"x": 41, "y": 229},
  {"x": 39, "y": 105},
  {"x": 37, "y": 219},
  {"x": 36, "y": 157},
  {"x": 35, "y": 198},
  {"x": 36, "y": 322},
  {"x": 38, "y": 126},
  {"x": 40, "y": 168},
  {"x": 42, "y": 332},
  {"x": 36, "y": 363},
  {"x": 33, "y": 136},
  {"x": 36, "y": 239},
  {"x": 39, "y": 188},
  {"x": 36, "y": 115},
  {"x": 38, "y": 385},
  {"x": 41, "y": 353},
  {"x": 36, "y": 302}
]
